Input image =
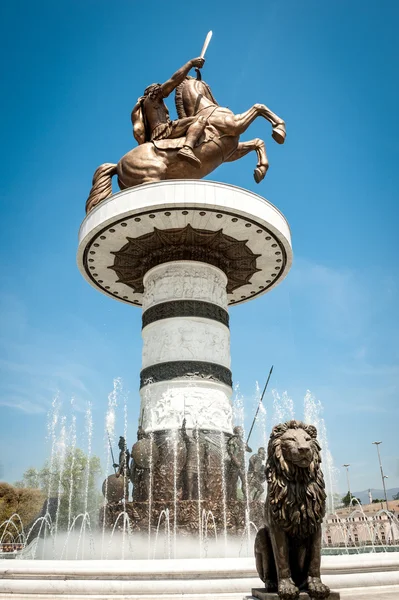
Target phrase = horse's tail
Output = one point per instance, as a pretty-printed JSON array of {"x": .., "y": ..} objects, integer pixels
[{"x": 102, "y": 185}]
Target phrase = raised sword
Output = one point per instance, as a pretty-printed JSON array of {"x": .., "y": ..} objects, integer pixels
[{"x": 204, "y": 49}]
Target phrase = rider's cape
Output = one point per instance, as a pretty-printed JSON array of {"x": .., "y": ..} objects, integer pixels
[{"x": 138, "y": 122}]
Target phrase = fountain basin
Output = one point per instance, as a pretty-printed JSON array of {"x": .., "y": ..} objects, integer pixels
[{"x": 362, "y": 576}]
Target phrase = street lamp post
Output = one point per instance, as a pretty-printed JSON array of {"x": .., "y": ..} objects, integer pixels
[
  {"x": 347, "y": 478},
  {"x": 383, "y": 477}
]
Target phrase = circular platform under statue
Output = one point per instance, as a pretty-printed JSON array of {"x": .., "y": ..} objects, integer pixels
[{"x": 230, "y": 228}]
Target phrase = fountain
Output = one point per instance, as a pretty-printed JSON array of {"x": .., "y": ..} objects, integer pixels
[
  {"x": 121, "y": 552},
  {"x": 184, "y": 250}
]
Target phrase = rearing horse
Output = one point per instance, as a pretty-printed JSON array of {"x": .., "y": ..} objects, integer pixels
[{"x": 158, "y": 160}]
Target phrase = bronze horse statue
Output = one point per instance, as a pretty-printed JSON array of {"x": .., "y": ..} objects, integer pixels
[{"x": 158, "y": 160}]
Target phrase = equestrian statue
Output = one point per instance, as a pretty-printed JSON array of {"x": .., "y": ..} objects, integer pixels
[{"x": 204, "y": 136}]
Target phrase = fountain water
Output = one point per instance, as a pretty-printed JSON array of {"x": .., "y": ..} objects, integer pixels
[
  {"x": 312, "y": 414},
  {"x": 73, "y": 448},
  {"x": 57, "y": 544},
  {"x": 109, "y": 434}
]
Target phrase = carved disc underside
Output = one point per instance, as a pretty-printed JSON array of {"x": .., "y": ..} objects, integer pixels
[
  {"x": 143, "y": 253},
  {"x": 216, "y": 224}
]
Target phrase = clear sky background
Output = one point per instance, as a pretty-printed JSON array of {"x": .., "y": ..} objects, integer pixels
[{"x": 72, "y": 73}]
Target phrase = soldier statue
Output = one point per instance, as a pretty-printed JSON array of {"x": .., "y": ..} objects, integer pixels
[
  {"x": 256, "y": 474},
  {"x": 236, "y": 448},
  {"x": 144, "y": 457},
  {"x": 150, "y": 116},
  {"x": 140, "y": 475},
  {"x": 191, "y": 466},
  {"x": 123, "y": 465}
]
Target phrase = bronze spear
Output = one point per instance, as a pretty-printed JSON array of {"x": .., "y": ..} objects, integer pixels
[{"x": 260, "y": 402}]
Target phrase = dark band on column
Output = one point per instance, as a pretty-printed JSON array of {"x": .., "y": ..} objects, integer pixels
[
  {"x": 186, "y": 369},
  {"x": 186, "y": 308}
]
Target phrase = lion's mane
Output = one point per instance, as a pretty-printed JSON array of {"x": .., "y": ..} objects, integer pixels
[{"x": 296, "y": 495}]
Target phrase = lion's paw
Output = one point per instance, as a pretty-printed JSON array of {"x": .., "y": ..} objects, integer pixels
[
  {"x": 287, "y": 590},
  {"x": 317, "y": 589}
]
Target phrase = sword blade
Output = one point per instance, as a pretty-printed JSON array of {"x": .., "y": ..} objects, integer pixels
[{"x": 206, "y": 44}]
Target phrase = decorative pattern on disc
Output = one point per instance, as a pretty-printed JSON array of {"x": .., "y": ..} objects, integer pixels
[{"x": 140, "y": 254}]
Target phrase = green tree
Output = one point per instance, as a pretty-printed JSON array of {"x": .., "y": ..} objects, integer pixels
[
  {"x": 72, "y": 477},
  {"x": 31, "y": 479},
  {"x": 346, "y": 500},
  {"x": 377, "y": 500},
  {"x": 396, "y": 496}
]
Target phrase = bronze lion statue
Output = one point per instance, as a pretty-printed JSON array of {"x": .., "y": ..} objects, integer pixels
[{"x": 288, "y": 547}]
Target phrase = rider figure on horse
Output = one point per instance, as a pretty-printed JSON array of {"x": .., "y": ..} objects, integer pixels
[{"x": 150, "y": 116}]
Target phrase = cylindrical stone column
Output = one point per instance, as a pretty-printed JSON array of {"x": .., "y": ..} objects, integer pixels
[
  {"x": 186, "y": 348},
  {"x": 184, "y": 251}
]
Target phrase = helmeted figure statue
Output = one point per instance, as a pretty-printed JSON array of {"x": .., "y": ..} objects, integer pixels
[
  {"x": 236, "y": 448},
  {"x": 122, "y": 467},
  {"x": 256, "y": 474},
  {"x": 190, "y": 485},
  {"x": 124, "y": 458},
  {"x": 150, "y": 116}
]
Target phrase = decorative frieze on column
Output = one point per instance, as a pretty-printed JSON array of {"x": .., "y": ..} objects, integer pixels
[
  {"x": 206, "y": 405},
  {"x": 186, "y": 348},
  {"x": 184, "y": 280},
  {"x": 186, "y": 339}
]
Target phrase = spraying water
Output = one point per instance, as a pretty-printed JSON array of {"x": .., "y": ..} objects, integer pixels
[
  {"x": 52, "y": 420},
  {"x": 73, "y": 456},
  {"x": 61, "y": 451},
  {"x": 239, "y": 414},
  {"x": 283, "y": 407},
  {"x": 89, "y": 432},
  {"x": 109, "y": 438},
  {"x": 312, "y": 415}
]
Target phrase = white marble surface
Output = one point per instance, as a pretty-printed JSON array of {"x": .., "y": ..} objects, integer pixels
[
  {"x": 357, "y": 577},
  {"x": 186, "y": 338},
  {"x": 184, "y": 280},
  {"x": 204, "y": 404},
  {"x": 205, "y": 205}
]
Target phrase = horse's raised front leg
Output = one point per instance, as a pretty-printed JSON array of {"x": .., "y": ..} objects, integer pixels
[
  {"x": 237, "y": 124},
  {"x": 259, "y": 146}
]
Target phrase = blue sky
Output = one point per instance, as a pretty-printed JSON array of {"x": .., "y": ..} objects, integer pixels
[{"x": 73, "y": 71}]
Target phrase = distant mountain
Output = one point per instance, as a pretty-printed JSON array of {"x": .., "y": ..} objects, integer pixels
[{"x": 364, "y": 496}]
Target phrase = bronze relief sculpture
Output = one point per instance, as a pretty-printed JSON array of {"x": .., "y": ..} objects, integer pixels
[
  {"x": 288, "y": 548},
  {"x": 203, "y": 137}
]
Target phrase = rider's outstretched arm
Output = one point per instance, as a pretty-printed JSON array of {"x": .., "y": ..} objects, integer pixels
[{"x": 179, "y": 76}]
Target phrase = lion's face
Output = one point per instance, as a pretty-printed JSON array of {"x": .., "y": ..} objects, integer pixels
[
  {"x": 297, "y": 447},
  {"x": 295, "y": 479}
]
